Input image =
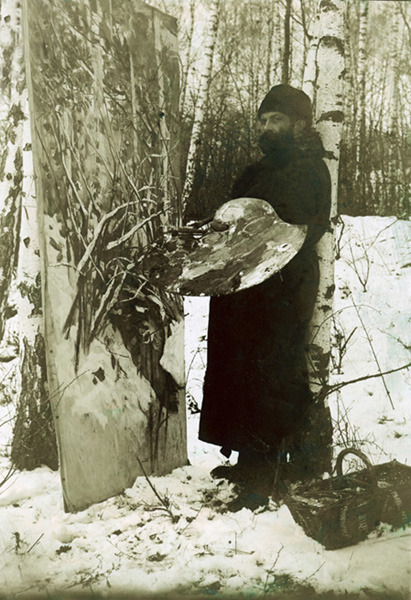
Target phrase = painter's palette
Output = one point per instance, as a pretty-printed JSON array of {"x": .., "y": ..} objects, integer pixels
[{"x": 246, "y": 243}]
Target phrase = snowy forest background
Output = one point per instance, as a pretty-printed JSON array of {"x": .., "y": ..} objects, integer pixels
[
  {"x": 183, "y": 542},
  {"x": 261, "y": 43}
]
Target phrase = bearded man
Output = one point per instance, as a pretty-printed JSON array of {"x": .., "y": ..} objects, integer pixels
[{"x": 257, "y": 397}]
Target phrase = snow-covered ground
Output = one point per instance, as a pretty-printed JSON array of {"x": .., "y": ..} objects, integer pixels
[{"x": 130, "y": 543}]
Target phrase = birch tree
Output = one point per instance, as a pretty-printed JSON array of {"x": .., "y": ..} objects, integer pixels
[
  {"x": 329, "y": 119},
  {"x": 11, "y": 157},
  {"x": 278, "y": 35},
  {"x": 33, "y": 442},
  {"x": 34, "y": 439},
  {"x": 394, "y": 73},
  {"x": 310, "y": 70},
  {"x": 269, "y": 68},
  {"x": 393, "y": 107},
  {"x": 187, "y": 61},
  {"x": 201, "y": 105},
  {"x": 361, "y": 76}
]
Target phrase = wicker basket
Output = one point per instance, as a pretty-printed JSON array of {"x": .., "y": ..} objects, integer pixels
[{"x": 343, "y": 510}]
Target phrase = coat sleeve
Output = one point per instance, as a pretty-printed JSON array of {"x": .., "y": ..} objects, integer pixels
[
  {"x": 318, "y": 206},
  {"x": 244, "y": 184},
  {"x": 300, "y": 193}
]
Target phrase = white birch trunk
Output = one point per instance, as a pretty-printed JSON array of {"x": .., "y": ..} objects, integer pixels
[
  {"x": 350, "y": 110},
  {"x": 310, "y": 70},
  {"x": 34, "y": 438},
  {"x": 187, "y": 60},
  {"x": 201, "y": 105},
  {"x": 33, "y": 441},
  {"x": 329, "y": 119},
  {"x": 268, "y": 76},
  {"x": 394, "y": 73},
  {"x": 393, "y": 191},
  {"x": 361, "y": 76},
  {"x": 11, "y": 158},
  {"x": 278, "y": 35}
]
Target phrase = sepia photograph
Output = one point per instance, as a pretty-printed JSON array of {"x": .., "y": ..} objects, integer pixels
[{"x": 205, "y": 299}]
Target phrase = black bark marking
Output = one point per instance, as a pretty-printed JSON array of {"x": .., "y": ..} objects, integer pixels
[
  {"x": 327, "y": 5},
  {"x": 99, "y": 374},
  {"x": 330, "y": 292},
  {"x": 325, "y": 308},
  {"x": 331, "y": 41},
  {"x": 336, "y": 116}
]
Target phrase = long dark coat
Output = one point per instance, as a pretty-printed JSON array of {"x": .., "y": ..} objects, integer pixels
[{"x": 256, "y": 385}]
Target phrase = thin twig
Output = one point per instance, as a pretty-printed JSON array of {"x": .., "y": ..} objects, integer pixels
[
  {"x": 35, "y": 543},
  {"x": 198, "y": 351},
  {"x": 380, "y": 232},
  {"x": 8, "y": 476},
  {"x": 8, "y": 421},
  {"x": 122, "y": 551},
  {"x": 315, "y": 572},
  {"x": 362, "y": 277},
  {"x": 270, "y": 571},
  {"x": 404, "y": 17},
  {"x": 337, "y": 312},
  {"x": 194, "y": 518},
  {"x": 372, "y": 350},
  {"x": 164, "y": 501},
  {"x": 60, "y": 392}
]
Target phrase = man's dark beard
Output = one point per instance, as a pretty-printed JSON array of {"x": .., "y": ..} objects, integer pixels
[{"x": 270, "y": 141}]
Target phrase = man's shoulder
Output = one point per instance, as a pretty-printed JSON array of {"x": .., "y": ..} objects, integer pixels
[
  {"x": 247, "y": 177},
  {"x": 253, "y": 167},
  {"x": 312, "y": 163}
]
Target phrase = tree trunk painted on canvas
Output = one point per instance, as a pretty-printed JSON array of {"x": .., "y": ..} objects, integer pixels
[{"x": 103, "y": 90}]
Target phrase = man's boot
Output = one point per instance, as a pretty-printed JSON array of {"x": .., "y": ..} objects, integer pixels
[
  {"x": 240, "y": 472},
  {"x": 258, "y": 475}
]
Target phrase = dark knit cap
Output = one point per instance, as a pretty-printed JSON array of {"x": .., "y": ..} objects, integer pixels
[{"x": 288, "y": 100}]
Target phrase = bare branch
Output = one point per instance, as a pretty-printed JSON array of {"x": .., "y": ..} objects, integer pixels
[
  {"x": 329, "y": 389},
  {"x": 404, "y": 17},
  {"x": 303, "y": 21},
  {"x": 164, "y": 501},
  {"x": 8, "y": 475}
]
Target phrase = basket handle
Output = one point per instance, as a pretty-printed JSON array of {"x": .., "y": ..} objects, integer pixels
[{"x": 359, "y": 454}]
